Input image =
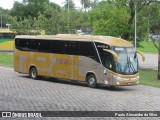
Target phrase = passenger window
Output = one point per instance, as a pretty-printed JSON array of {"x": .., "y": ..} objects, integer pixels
[
  {"x": 72, "y": 47},
  {"x": 22, "y": 44},
  {"x": 33, "y": 45},
  {"x": 65, "y": 47},
  {"x": 87, "y": 49},
  {"x": 44, "y": 46},
  {"x": 58, "y": 47}
]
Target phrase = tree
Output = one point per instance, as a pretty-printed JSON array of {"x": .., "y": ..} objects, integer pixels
[
  {"x": 109, "y": 19},
  {"x": 24, "y": 26},
  {"x": 18, "y": 10},
  {"x": 86, "y": 4},
  {"x": 131, "y": 4},
  {"x": 51, "y": 18},
  {"x": 142, "y": 24},
  {"x": 154, "y": 22},
  {"x": 6, "y": 18},
  {"x": 24, "y": 2},
  {"x": 28, "y": 8},
  {"x": 69, "y": 5},
  {"x": 60, "y": 20},
  {"x": 94, "y": 3}
]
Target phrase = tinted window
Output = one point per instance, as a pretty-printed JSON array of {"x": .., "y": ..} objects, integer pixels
[
  {"x": 21, "y": 44},
  {"x": 72, "y": 47},
  {"x": 58, "y": 47},
  {"x": 100, "y": 47},
  {"x": 26, "y": 45},
  {"x": 33, "y": 45},
  {"x": 107, "y": 61},
  {"x": 87, "y": 49},
  {"x": 65, "y": 47},
  {"x": 44, "y": 46}
]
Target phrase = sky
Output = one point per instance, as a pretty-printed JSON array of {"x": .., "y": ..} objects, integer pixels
[{"x": 8, "y": 4}]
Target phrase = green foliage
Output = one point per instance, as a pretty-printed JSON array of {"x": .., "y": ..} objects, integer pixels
[
  {"x": 86, "y": 4},
  {"x": 28, "y": 8},
  {"x": 154, "y": 16},
  {"x": 6, "y": 59},
  {"x": 109, "y": 19},
  {"x": 6, "y": 17},
  {"x": 142, "y": 26},
  {"x": 146, "y": 46},
  {"x": 69, "y": 4},
  {"x": 23, "y": 26},
  {"x": 149, "y": 77},
  {"x": 34, "y": 17}
]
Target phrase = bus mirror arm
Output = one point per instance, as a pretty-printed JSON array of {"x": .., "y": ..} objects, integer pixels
[
  {"x": 115, "y": 56},
  {"x": 143, "y": 57}
]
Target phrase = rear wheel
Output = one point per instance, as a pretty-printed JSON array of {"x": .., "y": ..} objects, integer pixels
[
  {"x": 33, "y": 73},
  {"x": 91, "y": 80}
]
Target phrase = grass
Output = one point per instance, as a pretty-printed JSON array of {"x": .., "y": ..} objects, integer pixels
[
  {"x": 5, "y": 40},
  {"x": 8, "y": 45},
  {"x": 149, "y": 77},
  {"x": 6, "y": 59},
  {"x": 147, "y": 47}
]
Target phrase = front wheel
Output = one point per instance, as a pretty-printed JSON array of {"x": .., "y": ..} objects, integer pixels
[
  {"x": 91, "y": 80},
  {"x": 33, "y": 73}
]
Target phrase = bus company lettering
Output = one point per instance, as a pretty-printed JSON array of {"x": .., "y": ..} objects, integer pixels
[
  {"x": 65, "y": 66},
  {"x": 62, "y": 61},
  {"x": 102, "y": 46}
]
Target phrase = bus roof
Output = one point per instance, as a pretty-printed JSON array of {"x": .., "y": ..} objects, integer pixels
[
  {"x": 112, "y": 41},
  {"x": 6, "y": 31}
]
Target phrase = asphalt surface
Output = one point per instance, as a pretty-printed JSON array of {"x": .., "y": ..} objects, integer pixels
[{"x": 20, "y": 93}]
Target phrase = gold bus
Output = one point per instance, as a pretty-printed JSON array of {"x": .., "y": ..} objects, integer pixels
[
  {"x": 6, "y": 39},
  {"x": 93, "y": 59}
]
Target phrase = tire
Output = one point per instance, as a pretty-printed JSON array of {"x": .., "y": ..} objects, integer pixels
[
  {"x": 33, "y": 73},
  {"x": 92, "y": 81}
]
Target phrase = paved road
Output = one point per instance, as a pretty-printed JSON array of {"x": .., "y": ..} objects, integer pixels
[
  {"x": 19, "y": 93},
  {"x": 151, "y": 61}
]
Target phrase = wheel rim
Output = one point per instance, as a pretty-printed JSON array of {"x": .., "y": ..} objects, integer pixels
[
  {"x": 91, "y": 81},
  {"x": 34, "y": 73}
]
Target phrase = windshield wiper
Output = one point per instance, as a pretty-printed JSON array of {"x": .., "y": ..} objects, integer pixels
[{"x": 129, "y": 65}]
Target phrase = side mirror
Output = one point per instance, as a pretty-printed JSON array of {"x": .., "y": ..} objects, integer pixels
[
  {"x": 115, "y": 56},
  {"x": 143, "y": 57}
]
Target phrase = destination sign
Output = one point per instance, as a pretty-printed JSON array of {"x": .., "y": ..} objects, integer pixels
[{"x": 103, "y": 46}]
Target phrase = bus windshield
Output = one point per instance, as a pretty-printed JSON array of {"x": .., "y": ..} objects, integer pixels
[{"x": 127, "y": 62}]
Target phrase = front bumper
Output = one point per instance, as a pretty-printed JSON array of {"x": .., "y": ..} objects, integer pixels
[{"x": 123, "y": 81}]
